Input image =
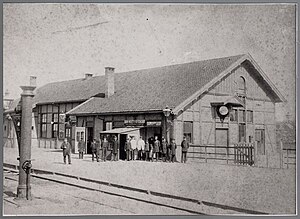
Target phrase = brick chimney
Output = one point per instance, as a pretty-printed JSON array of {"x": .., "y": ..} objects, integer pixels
[
  {"x": 88, "y": 76},
  {"x": 110, "y": 81},
  {"x": 32, "y": 81}
]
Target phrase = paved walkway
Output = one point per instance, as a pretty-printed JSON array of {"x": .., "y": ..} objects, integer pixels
[{"x": 259, "y": 189}]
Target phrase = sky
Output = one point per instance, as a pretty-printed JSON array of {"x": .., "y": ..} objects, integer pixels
[{"x": 58, "y": 42}]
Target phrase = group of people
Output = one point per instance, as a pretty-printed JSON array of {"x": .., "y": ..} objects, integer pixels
[
  {"x": 150, "y": 150},
  {"x": 135, "y": 149},
  {"x": 100, "y": 149}
]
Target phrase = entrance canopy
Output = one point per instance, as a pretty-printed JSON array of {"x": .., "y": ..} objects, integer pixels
[
  {"x": 124, "y": 131},
  {"x": 228, "y": 100},
  {"x": 121, "y": 131}
]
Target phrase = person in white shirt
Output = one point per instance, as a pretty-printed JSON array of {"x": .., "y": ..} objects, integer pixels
[
  {"x": 134, "y": 148},
  {"x": 141, "y": 148}
]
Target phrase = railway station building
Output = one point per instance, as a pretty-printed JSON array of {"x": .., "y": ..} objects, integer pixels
[{"x": 215, "y": 103}]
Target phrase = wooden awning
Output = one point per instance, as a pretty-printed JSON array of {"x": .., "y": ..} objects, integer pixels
[
  {"x": 229, "y": 100},
  {"x": 121, "y": 131}
]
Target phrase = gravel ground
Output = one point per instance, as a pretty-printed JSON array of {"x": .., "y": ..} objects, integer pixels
[
  {"x": 56, "y": 199},
  {"x": 260, "y": 189}
]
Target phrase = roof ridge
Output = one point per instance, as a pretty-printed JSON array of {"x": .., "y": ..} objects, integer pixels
[
  {"x": 184, "y": 63},
  {"x": 143, "y": 69}
]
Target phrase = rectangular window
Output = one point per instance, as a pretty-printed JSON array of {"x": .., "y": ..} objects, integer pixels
[
  {"x": 242, "y": 116},
  {"x": 188, "y": 131},
  {"x": 55, "y": 117},
  {"x": 260, "y": 141},
  {"x": 68, "y": 132},
  {"x": 233, "y": 115},
  {"x": 54, "y": 125},
  {"x": 54, "y": 130},
  {"x": 108, "y": 126},
  {"x": 249, "y": 116},
  {"x": 44, "y": 125},
  {"x": 242, "y": 133}
]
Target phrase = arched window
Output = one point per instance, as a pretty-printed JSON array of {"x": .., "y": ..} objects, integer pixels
[{"x": 242, "y": 85}]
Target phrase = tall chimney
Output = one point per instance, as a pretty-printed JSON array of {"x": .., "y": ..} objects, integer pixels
[
  {"x": 88, "y": 75},
  {"x": 110, "y": 81},
  {"x": 32, "y": 81}
]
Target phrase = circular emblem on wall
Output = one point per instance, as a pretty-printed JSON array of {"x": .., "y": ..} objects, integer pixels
[{"x": 223, "y": 110}]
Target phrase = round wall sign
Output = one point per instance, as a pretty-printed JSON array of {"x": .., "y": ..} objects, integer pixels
[{"x": 223, "y": 110}]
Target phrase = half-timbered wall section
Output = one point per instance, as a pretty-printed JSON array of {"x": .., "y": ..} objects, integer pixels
[
  {"x": 106, "y": 122},
  {"x": 253, "y": 123},
  {"x": 49, "y": 125}
]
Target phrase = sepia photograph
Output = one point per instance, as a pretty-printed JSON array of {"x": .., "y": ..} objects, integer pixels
[{"x": 149, "y": 109}]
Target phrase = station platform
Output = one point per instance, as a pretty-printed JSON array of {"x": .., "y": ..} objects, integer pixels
[{"x": 258, "y": 189}]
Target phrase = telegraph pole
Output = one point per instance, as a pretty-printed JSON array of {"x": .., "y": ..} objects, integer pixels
[{"x": 24, "y": 189}]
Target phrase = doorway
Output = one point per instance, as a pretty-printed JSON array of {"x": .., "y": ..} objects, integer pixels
[
  {"x": 260, "y": 140},
  {"x": 221, "y": 142},
  {"x": 80, "y": 133},
  {"x": 90, "y": 137},
  {"x": 122, "y": 152}
]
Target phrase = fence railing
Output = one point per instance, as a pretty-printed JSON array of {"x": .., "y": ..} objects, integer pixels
[
  {"x": 240, "y": 154},
  {"x": 288, "y": 157}
]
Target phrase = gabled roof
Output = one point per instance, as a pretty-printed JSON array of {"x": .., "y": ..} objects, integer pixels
[
  {"x": 248, "y": 61},
  {"x": 174, "y": 86},
  {"x": 153, "y": 89},
  {"x": 70, "y": 91}
]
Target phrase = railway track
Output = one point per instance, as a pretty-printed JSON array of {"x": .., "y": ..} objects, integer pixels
[{"x": 176, "y": 204}]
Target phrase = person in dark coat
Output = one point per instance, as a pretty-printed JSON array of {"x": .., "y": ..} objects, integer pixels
[
  {"x": 104, "y": 147},
  {"x": 173, "y": 151},
  {"x": 94, "y": 150},
  {"x": 185, "y": 146},
  {"x": 81, "y": 148},
  {"x": 147, "y": 150},
  {"x": 98, "y": 149},
  {"x": 128, "y": 149},
  {"x": 164, "y": 146},
  {"x": 151, "y": 145},
  {"x": 115, "y": 149},
  {"x": 156, "y": 147},
  {"x": 66, "y": 146}
]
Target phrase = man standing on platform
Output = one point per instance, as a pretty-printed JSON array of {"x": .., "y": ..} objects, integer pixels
[
  {"x": 66, "y": 146},
  {"x": 94, "y": 150},
  {"x": 134, "y": 148},
  {"x": 185, "y": 146},
  {"x": 156, "y": 147},
  {"x": 141, "y": 147},
  {"x": 172, "y": 151},
  {"x": 128, "y": 149},
  {"x": 115, "y": 149},
  {"x": 104, "y": 148},
  {"x": 164, "y": 146},
  {"x": 98, "y": 149},
  {"x": 81, "y": 148}
]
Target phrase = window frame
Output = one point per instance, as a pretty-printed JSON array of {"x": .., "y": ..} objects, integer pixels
[
  {"x": 108, "y": 125},
  {"x": 234, "y": 113},
  {"x": 54, "y": 123},
  {"x": 249, "y": 116},
  {"x": 189, "y": 135},
  {"x": 43, "y": 125}
]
